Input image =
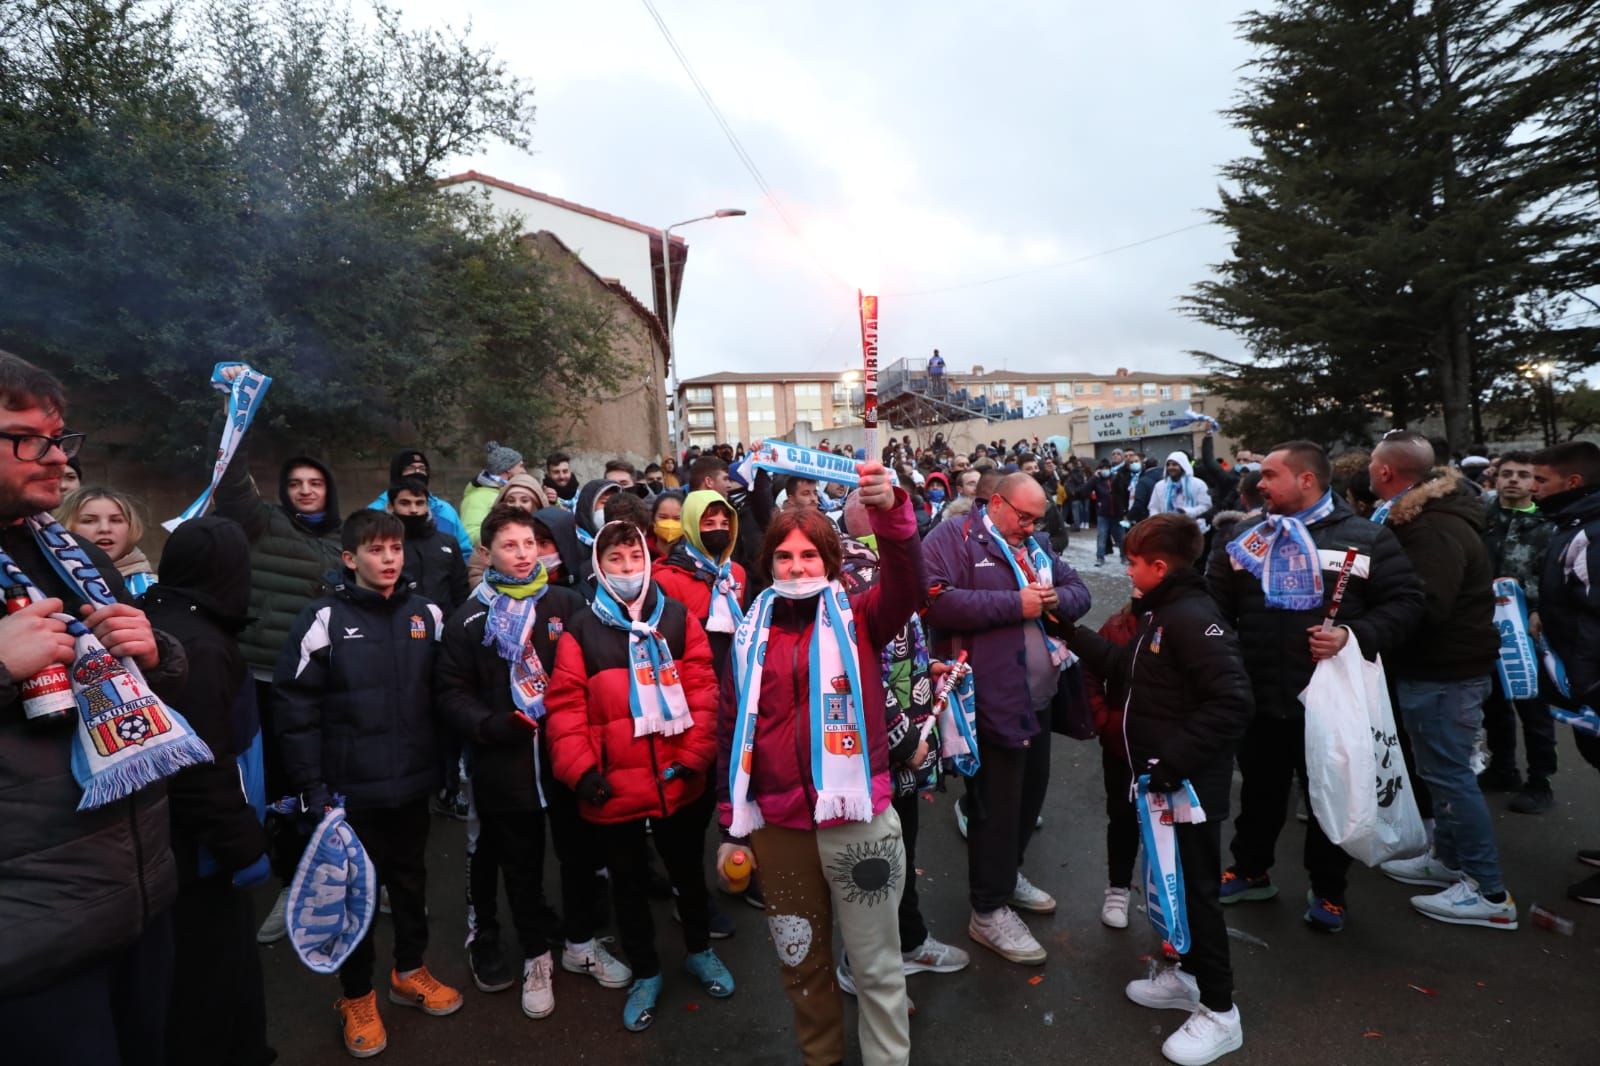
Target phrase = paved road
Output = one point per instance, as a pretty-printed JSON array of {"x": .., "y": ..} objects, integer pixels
[{"x": 1487, "y": 996}]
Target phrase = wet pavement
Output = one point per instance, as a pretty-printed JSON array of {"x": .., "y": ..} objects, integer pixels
[{"x": 1392, "y": 988}]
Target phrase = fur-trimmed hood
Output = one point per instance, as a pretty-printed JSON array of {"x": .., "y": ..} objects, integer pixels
[{"x": 1443, "y": 489}]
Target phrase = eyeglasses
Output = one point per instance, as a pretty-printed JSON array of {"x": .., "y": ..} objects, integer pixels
[
  {"x": 1023, "y": 517},
  {"x": 32, "y": 447}
]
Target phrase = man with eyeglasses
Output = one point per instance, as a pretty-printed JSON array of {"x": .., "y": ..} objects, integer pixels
[
  {"x": 85, "y": 913},
  {"x": 999, "y": 593}
]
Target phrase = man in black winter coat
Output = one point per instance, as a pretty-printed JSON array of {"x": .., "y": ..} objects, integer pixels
[
  {"x": 433, "y": 558},
  {"x": 355, "y": 718},
  {"x": 85, "y": 896},
  {"x": 1567, "y": 484},
  {"x": 218, "y": 1000},
  {"x": 1383, "y": 601},
  {"x": 1188, "y": 703}
]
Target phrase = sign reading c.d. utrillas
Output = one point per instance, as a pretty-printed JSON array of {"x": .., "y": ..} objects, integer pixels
[{"x": 1125, "y": 423}]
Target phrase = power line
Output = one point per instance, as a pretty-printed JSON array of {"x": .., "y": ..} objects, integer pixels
[
  {"x": 738, "y": 146},
  {"x": 1050, "y": 266}
]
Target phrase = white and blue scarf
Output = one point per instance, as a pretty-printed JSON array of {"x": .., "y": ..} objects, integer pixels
[
  {"x": 841, "y": 768},
  {"x": 508, "y": 629},
  {"x": 726, "y": 614},
  {"x": 1518, "y": 664},
  {"x": 655, "y": 692},
  {"x": 127, "y": 737},
  {"x": 333, "y": 897},
  {"x": 1163, "y": 871},
  {"x": 1280, "y": 552},
  {"x": 956, "y": 706},
  {"x": 1060, "y": 656},
  {"x": 245, "y": 393},
  {"x": 1584, "y": 719},
  {"x": 1380, "y": 514},
  {"x": 781, "y": 457}
]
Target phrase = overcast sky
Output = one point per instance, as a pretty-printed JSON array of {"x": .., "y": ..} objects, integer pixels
[{"x": 916, "y": 147}]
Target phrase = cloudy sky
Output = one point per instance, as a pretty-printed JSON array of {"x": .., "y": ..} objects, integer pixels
[{"x": 917, "y": 149}]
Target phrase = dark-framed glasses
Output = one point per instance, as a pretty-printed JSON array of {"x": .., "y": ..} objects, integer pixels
[{"x": 33, "y": 447}]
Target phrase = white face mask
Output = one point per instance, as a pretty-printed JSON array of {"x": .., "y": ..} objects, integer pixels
[
  {"x": 626, "y": 586},
  {"x": 551, "y": 561},
  {"x": 800, "y": 588}
]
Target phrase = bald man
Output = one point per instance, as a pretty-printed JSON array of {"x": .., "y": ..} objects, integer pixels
[
  {"x": 994, "y": 587},
  {"x": 1442, "y": 676}
]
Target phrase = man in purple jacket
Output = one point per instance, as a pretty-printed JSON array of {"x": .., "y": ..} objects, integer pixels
[{"x": 998, "y": 593}]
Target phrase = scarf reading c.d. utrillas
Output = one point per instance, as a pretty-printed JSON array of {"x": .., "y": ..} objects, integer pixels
[
  {"x": 1281, "y": 553},
  {"x": 841, "y": 769},
  {"x": 127, "y": 737}
]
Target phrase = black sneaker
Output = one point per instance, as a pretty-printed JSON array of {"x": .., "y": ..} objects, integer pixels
[
  {"x": 753, "y": 896},
  {"x": 1498, "y": 779},
  {"x": 1533, "y": 799},
  {"x": 721, "y": 925},
  {"x": 489, "y": 970},
  {"x": 1587, "y": 891},
  {"x": 1589, "y": 856}
]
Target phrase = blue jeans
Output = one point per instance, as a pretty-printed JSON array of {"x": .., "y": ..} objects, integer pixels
[
  {"x": 1443, "y": 718},
  {"x": 1080, "y": 513},
  {"x": 1110, "y": 535}
]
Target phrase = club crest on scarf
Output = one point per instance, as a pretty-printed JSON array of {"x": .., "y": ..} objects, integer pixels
[{"x": 117, "y": 709}]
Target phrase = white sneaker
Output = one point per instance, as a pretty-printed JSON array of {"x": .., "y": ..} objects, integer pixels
[
  {"x": 1167, "y": 988},
  {"x": 1114, "y": 911},
  {"x": 1463, "y": 904},
  {"x": 1003, "y": 933},
  {"x": 1205, "y": 1037},
  {"x": 934, "y": 956},
  {"x": 847, "y": 981},
  {"x": 961, "y": 819},
  {"x": 1425, "y": 869},
  {"x": 276, "y": 927},
  {"x": 593, "y": 959},
  {"x": 1029, "y": 897},
  {"x": 538, "y": 986}
]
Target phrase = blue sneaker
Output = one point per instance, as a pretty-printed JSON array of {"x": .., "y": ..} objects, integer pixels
[
  {"x": 1237, "y": 888},
  {"x": 1323, "y": 915},
  {"x": 640, "y": 1010},
  {"x": 706, "y": 968}
]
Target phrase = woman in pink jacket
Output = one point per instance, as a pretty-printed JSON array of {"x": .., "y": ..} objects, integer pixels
[{"x": 804, "y": 768}]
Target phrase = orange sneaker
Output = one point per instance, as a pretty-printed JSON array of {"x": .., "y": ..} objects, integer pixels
[
  {"x": 364, "y": 1036},
  {"x": 423, "y": 991}
]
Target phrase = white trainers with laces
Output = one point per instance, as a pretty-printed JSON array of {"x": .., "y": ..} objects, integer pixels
[
  {"x": 1425, "y": 869},
  {"x": 1029, "y": 897},
  {"x": 1167, "y": 988},
  {"x": 847, "y": 980},
  {"x": 1002, "y": 932},
  {"x": 934, "y": 956},
  {"x": 593, "y": 959},
  {"x": 1114, "y": 911},
  {"x": 538, "y": 986},
  {"x": 276, "y": 926},
  {"x": 1205, "y": 1037},
  {"x": 1463, "y": 904}
]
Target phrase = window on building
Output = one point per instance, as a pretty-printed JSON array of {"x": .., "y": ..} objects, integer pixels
[
  {"x": 808, "y": 403},
  {"x": 699, "y": 396},
  {"x": 1081, "y": 388},
  {"x": 1149, "y": 389},
  {"x": 1063, "y": 388},
  {"x": 1000, "y": 388},
  {"x": 1186, "y": 391},
  {"x": 702, "y": 420},
  {"x": 1166, "y": 392},
  {"x": 841, "y": 393},
  {"x": 1094, "y": 389},
  {"x": 758, "y": 392},
  {"x": 763, "y": 423},
  {"x": 1116, "y": 390}
]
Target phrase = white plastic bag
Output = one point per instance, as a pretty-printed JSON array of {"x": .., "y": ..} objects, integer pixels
[{"x": 1355, "y": 773}]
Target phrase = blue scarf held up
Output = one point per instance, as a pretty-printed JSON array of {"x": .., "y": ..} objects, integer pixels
[{"x": 1280, "y": 552}]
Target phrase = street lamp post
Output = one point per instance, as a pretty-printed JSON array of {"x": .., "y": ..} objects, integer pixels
[
  {"x": 1548, "y": 402},
  {"x": 672, "y": 351}
]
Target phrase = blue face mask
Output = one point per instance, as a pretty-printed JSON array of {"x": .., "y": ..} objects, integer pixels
[
  {"x": 626, "y": 586},
  {"x": 936, "y": 495},
  {"x": 1134, "y": 467}
]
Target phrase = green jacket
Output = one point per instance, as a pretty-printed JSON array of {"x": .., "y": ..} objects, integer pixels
[
  {"x": 288, "y": 558},
  {"x": 476, "y": 503},
  {"x": 1516, "y": 541}
]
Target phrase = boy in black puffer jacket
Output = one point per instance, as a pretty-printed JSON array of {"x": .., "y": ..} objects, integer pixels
[
  {"x": 1188, "y": 703},
  {"x": 355, "y": 718}
]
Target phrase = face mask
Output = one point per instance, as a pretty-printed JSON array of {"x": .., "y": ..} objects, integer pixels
[
  {"x": 669, "y": 530},
  {"x": 1134, "y": 467},
  {"x": 418, "y": 526},
  {"x": 800, "y": 588},
  {"x": 626, "y": 586},
  {"x": 716, "y": 541},
  {"x": 936, "y": 495},
  {"x": 551, "y": 561}
]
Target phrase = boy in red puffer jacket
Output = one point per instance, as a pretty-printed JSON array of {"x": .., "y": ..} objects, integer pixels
[{"x": 632, "y": 726}]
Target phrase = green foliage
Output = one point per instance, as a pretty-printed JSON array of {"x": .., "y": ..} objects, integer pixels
[
  {"x": 1421, "y": 196},
  {"x": 262, "y": 186}
]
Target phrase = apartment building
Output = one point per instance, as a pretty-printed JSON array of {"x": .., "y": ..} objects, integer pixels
[
  {"x": 1063, "y": 392},
  {"x": 738, "y": 407}
]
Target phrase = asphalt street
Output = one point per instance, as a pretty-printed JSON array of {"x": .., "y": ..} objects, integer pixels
[{"x": 1394, "y": 987}]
